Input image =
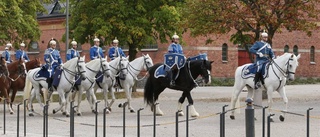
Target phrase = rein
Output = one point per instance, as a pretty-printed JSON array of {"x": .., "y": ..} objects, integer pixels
[
  {"x": 283, "y": 72},
  {"x": 135, "y": 77}
]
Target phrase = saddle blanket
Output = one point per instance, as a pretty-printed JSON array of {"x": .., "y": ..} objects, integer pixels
[
  {"x": 171, "y": 59},
  {"x": 99, "y": 77},
  {"x": 42, "y": 74},
  {"x": 250, "y": 70},
  {"x": 164, "y": 71},
  {"x": 202, "y": 56},
  {"x": 56, "y": 77}
]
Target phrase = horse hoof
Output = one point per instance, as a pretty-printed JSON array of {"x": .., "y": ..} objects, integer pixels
[
  {"x": 67, "y": 115},
  {"x": 181, "y": 114},
  {"x": 79, "y": 114},
  {"x": 159, "y": 114},
  {"x": 109, "y": 108},
  {"x": 195, "y": 115},
  {"x": 32, "y": 110},
  {"x": 271, "y": 120},
  {"x": 232, "y": 117},
  {"x": 132, "y": 111},
  {"x": 281, "y": 118},
  {"x": 54, "y": 111},
  {"x": 11, "y": 113},
  {"x": 120, "y": 105},
  {"x": 31, "y": 114},
  {"x": 64, "y": 113}
]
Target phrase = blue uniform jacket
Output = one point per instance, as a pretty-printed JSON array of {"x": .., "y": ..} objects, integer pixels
[
  {"x": 22, "y": 54},
  {"x": 113, "y": 53},
  {"x": 266, "y": 51},
  {"x": 71, "y": 53},
  {"x": 94, "y": 53},
  {"x": 6, "y": 56},
  {"x": 51, "y": 55},
  {"x": 175, "y": 48}
]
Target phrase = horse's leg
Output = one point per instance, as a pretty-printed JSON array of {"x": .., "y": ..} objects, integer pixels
[
  {"x": 112, "y": 96},
  {"x": 66, "y": 105},
  {"x": 270, "y": 101},
  {"x": 93, "y": 101},
  {"x": 79, "y": 99},
  {"x": 14, "y": 92},
  {"x": 105, "y": 98},
  {"x": 235, "y": 97},
  {"x": 193, "y": 111},
  {"x": 282, "y": 93},
  {"x": 157, "y": 91},
  {"x": 128, "y": 93},
  {"x": 63, "y": 101},
  {"x": 180, "y": 102}
]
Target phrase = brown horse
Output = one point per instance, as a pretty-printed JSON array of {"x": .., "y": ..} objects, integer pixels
[
  {"x": 18, "y": 77},
  {"x": 4, "y": 81}
]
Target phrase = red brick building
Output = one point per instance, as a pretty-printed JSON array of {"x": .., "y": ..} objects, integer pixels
[{"x": 226, "y": 56}]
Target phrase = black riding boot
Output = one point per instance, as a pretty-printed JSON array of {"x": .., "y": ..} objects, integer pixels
[
  {"x": 49, "y": 81},
  {"x": 257, "y": 81}
]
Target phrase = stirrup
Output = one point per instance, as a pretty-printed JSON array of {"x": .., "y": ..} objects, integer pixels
[
  {"x": 257, "y": 85},
  {"x": 172, "y": 83}
]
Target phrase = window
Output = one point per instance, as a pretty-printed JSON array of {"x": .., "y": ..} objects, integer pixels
[
  {"x": 224, "y": 52},
  {"x": 295, "y": 50},
  {"x": 312, "y": 54},
  {"x": 34, "y": 46},
  {"x": 286, "y": 49}
]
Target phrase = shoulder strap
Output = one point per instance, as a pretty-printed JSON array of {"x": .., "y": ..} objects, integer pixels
[{"x": 263, "y": 47}]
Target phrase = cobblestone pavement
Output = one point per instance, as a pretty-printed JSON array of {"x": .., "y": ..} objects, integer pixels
[{"x": 208, "y": 102}]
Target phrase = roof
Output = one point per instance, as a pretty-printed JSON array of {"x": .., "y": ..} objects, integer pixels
[{"x": 54, "y": 9}]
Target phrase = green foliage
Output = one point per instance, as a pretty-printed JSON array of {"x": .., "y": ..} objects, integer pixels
[
  {"x": 134, "y": 23},
  {"x": 250, "y": 17},
  {"x": 18, "y": 20}
]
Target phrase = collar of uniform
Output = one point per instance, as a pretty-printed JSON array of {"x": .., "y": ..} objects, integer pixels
[{"x": 95, "y": 46}]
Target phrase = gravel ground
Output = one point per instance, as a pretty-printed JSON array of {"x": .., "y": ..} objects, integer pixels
[{"x": 208, "y": 102}]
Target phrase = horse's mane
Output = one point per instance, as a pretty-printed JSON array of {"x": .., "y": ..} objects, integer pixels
[
  {"x": 14, "y": 65},
  {"x": 93, "y": 61},
  {"x": 68, "y": 63}
]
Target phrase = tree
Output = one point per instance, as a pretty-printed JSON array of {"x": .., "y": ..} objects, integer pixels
[
  {"x": 134, "y": 22},
  {"x": 18, "y": 20},
  {"x": 250, "y": 17}
]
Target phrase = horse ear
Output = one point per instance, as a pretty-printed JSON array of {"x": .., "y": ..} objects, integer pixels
[
  {"x": 298, "y": 56},
  {"x": 106, "y": 57}
]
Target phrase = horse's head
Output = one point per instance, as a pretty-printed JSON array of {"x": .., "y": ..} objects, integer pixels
[
  {"x": 76, "y": 66},
  {"x": 292, "y": 66},
  {"x": 148, "y": 63},
  {"x": 3, "y": 67},
  {"x": 205, "y": 71},
  {"x": 35, "y": 63},
  {"x": 81, "y": 67},
  {"x": 123, "y": 65},
  {"x": 22, "y": 69},
  {"x": 105, "y": 68}
]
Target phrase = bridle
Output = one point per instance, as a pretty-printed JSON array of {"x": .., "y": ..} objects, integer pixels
[
  {"x": 130, "y": 67},
  {"x": 286, "y": 72},
  {"x": 21, "y": 72},
  {"x": 78, "y": 72}
]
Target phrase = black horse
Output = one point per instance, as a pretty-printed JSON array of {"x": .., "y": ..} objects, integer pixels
[{"x": 185, "y": 82}]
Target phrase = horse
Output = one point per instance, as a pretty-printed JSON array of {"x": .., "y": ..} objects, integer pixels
[
  {"x": 4, "y": 81},
  {"x": 70, "y": 69},
  {"x": 134, "y": 68},
  {"x": 92, "y": 68},
  {"x": 18, "y": 77},
  {"x": 16, "y": 70},
  {"x": 279, "y": 70},
  {"x": 185, "y": 83},
  {"x": 116, "y": 65}
]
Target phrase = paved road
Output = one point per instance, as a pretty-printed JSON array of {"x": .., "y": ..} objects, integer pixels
[{"x": 208, "y": 102}]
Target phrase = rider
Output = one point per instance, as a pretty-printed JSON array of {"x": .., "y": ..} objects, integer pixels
[
  {"x": 21, "y": 54},
  {"x": 95, "y": 50},
  {"x": 53, "y": 60},
  {"x": 174, "y": 47},
  {"x": 264, "y": 52},
  {"x": 6, "y": 53},
  {"x": 71, "y": 53},
  {"x": 114, "y": 51}
]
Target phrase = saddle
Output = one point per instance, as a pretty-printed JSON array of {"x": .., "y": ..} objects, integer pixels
[
  {"x": 250, "y": 70},
  {"x": 164, "y": 72}
]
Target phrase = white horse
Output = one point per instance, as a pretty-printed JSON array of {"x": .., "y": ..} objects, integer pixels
[
  {"x": 92, "y": 68},
  {"x": 134, "y": 68},
  {"x": 116, "y": 65},
  {"x": 71, "y": 68},
  {"x": 281, "y": 68}
]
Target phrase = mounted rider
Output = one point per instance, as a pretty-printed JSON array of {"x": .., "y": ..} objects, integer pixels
[
  {"x": 95, "y": 50},
  {"x": 21, "y": 54},
  {"x": 174, "y": 59},
  {"x": 264, "y": 52},
  {"x": 115, "y": 51},
  {"x": 53, "y": 60},
  {"x": 72, "y": 52},
  {"x": 6, "y": 54}
]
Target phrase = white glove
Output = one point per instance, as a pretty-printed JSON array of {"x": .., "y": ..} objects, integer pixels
[
  {"x": 114, "y": 54},
  {"x": 47, "y": 59},
  {"x": 260, "y": 54}
]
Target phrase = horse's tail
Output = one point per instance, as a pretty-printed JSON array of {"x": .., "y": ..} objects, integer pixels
[
  {"x": 27, "y": 88},
  {"x": 148, "y": 92}
]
